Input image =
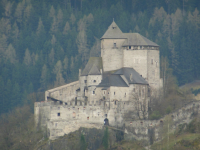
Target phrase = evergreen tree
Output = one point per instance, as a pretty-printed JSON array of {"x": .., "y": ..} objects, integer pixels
[{"x": 106, "y": 138}]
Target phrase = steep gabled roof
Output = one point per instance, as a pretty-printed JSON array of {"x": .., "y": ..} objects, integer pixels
[
  {"x": 113, "y": 80},
  {"x": 113, "y": 32},
  {"x": 94, "y": 70},
  {"x": 135, "y": 39},
  {"x": 132, "y": 76},
  {"x": 93, "y": 66}
]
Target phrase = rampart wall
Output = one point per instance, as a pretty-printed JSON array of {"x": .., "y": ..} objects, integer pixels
[
  {"x": 62, "y": 119},
  {"x": 65, "y": 93}
]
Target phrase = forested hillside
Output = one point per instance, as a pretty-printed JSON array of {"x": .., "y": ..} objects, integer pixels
[{"x": 43, "y": 43}]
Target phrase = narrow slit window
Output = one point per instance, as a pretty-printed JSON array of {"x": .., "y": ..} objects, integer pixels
[
  {"x": 129, "y": 47},
  {"x": 94, "y": 81},
  {"x": 152, "y": 61},
  {"x": 115, "y": 45},
  {"x": 93, "y": 92}
]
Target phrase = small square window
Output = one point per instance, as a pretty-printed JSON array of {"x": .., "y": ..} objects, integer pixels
[
  {"x": 85, "y": 81},
  {"x": 115, "y": 45},
  {"x": 94, "y": 81},
  {"x": 152, "y": 61},
  {"x": 58, "y": 114},
  {"x": 93, "y": 92}
]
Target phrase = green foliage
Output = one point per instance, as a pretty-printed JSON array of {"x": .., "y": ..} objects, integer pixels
[
  {"x": 196, "y": 91},
  {"x": 105, "y": 138},
  {"x": 17, "y": 130},
  {"x": 83, "y": 144},
  {"x": 155, "y": 115},
  {"x": 168, "y": 109}
]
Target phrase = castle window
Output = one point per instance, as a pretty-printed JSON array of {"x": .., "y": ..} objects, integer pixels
[
  {"x": 74, "y": 115},
  {"x": 129, "y": 47},
  {"x": 152, "y": 61},
  {"x": 93, "y": 92},
  {"x": 125, "y": 95},
  {"x": 140, "y": 47},
  {"x": 87, "y": 118},
  {"x": 94, "y": 81},
  {"x": 85, "y": 81},
  {"x": 115, "y": 45},
  {"x": 58, "y": 114},
  {"x": 114, "y": 93}
]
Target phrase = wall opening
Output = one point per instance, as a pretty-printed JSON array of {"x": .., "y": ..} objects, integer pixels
[
  {"x": 87, "y": 118},
  {"x": 74, "y": 115},
  {"x": 152, "y": 61},
  {"x": 114, "y": 93},
  {"x": 58, "y": 114},
  {"x": 94, "y": 81},
  {"x": 129, "y": 47},
  {"x": 114, "y": 45},
  {"x": 93, "y": 92},
  {"x": 85, "y": 81},
  {"x": 106, "y": 121}
]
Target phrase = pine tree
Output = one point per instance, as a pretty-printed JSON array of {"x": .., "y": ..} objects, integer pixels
[
  {"x": 44, "y": 77},
  {"x": 83, "y": 144},
  {"x": 27, "y": 58},
  {"x": 59, "y": 18},
  {"x": 105, "y": 138},
  {"x": 66, "y": 28},
  {"x": 8, "y": 10},
  {"x": 58, "y": 72},
  {"x": 10, "y": 54},
  {"x": 40, "y": 28},
  {"x": 52, "y": 12},
  {"x": 3, "y": 44}
]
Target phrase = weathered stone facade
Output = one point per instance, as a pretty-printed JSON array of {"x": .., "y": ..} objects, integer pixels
[{"x": 115, "y": 86}]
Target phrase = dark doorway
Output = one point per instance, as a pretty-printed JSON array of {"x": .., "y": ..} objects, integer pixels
[{"x": 106, "y": 121}]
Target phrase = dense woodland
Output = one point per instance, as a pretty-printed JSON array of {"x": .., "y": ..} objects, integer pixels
[{"x": 43, "y": 43}]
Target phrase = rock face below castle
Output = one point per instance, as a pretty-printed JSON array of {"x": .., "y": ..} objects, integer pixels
[{"x": 115, "y": 86}]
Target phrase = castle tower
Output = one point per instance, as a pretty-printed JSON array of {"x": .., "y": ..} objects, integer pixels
[
  {"x": 111, "y": 48},
  {"x": 142, "y": 55},
  {"x": 120, "y": 49}
]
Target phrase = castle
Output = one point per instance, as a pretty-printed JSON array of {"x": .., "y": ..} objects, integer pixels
[{"x": 116, "y": 87}]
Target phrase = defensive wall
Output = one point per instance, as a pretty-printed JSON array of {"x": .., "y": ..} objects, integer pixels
[
  {"x": 61, "y": 119},
  {"x": 65, "y": 93}
]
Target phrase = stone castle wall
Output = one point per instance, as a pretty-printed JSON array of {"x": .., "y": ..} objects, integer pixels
[
  {"x": 63, "y": 119},
  {"x": 112, "y": 54},
  {"x": 136, "y": 59},
  {"x": 153, "y": 68},
  {"x": 65, "y": 93}
]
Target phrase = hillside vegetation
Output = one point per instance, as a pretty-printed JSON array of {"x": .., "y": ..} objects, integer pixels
[{"x": 44, "y": 43}]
